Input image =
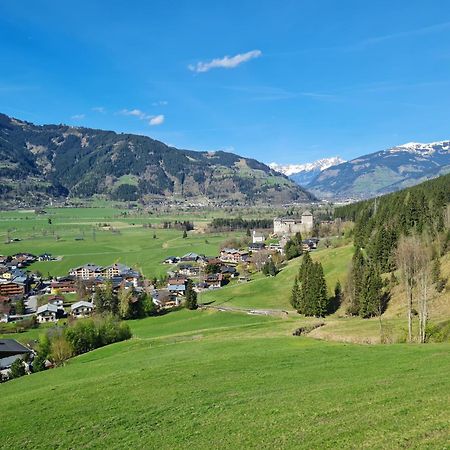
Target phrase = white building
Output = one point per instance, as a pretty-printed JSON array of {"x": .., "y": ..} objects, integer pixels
[
  {"x": 288, "y": 225},
  {"x": 257, "y": 237},
  {"x": 47, "y": 313},
  {"x": 81, "y": 309}
]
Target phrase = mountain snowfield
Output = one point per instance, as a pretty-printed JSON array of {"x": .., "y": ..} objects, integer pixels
[
  {"x": 320, "y": 164},
  {"x": 421, "y": 148}
]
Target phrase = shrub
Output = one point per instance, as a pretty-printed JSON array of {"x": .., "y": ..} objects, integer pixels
[
  {"x": 17, "y": 369},
  {"x": 87, "y": 334}
]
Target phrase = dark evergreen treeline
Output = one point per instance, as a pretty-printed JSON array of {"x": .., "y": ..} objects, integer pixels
[
  {"x": 240, "y": 224},
  {"x": 381, "y": 221},
  {"x": 185, "y": 225}
]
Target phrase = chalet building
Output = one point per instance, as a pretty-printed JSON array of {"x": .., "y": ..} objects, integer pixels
[
  {"x": 189, "y": 270},
  {"x": 87, "y": 271},
  {"x": 192, "y": 257},
  {"x": 234, "y": 256},
  {"x": 118, "y": 270},
  {"x": 214, "y": 281},
  {"x": 289, "y": 225},
  {"x": 81, "y": 309},
  {"x": 177, "y": 285},
  {"x": 164, "y": 299},
  {"x": 63, "y": 285},
  {"x": 18, "y": 286},
  {"x": 47, "y": 313},
  {"x": 256, "y": 247}
]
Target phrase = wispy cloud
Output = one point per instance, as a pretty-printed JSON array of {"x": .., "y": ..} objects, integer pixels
[
  {"x": 156, "y": 120},
  {"x": 401, "y": 34},
  {"x": 99, "y": 109},
  {"x": 133, "y": 112},
  {"x": 78, "y": 116},
  {"x": 160, "y": 103},
  {"x": 227, "y": 62},
  {"x": 153, "y": 120},
  {"x": 272, "y": 93}
]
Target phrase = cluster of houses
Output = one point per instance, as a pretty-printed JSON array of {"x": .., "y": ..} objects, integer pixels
[
  {"x": 92, "y": 276},
  {"x": 194, "y": 267},
  {"x": 17, "y": 285}
]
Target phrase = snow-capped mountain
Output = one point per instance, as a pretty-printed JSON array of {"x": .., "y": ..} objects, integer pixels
[
  {"x": 305, "y": 173},
  {"x": 383, "y": 171},
  {"x": 420, "y": 148}
]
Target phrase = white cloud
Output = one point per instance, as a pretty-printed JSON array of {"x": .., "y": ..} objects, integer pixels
[
  {"x": 99, "y": 109},
  {"x": 156, "y": 120},
  {"x": 141, "y": 115},
  {"x": 78, "y": 116},
  {"x": 227, "y": 62},
  {"x": 133, "y": 112}
]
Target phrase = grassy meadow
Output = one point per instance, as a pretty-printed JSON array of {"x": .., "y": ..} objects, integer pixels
[
  {"x": 128, "y": 242},
  {"x": 199, "y": 379}
]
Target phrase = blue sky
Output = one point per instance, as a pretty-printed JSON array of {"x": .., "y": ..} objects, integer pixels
[{"x": 289, "y": 81}]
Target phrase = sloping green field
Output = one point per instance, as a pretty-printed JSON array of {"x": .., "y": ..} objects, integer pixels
[
  {"x": 274, "y": 292},
  {"x": 221, "y": 380}
]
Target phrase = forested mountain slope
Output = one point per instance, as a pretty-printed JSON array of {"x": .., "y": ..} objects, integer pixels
[{"x": 38, "y": 162}]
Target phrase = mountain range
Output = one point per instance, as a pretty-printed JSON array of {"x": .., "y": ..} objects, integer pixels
[
  {"x": 42, "y": 162},
  {"x": 372, "y": 174},
  {"x": 383, "y": 171},
  {"x": 303, "y": 174}
]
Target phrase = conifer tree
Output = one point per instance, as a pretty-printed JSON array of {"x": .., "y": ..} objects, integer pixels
[
  {"x": 356, "y": 274},
  {"x": 295, "y": 295},
  {"x": 191, "y": 296},
  {"x": 371, "y": 292}
]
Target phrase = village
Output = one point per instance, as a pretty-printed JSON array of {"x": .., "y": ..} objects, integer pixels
[{"x": 27, "y": 297}]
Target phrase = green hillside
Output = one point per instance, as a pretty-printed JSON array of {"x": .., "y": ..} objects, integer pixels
[
  {"x": 274, "y": 292},
  {"x": 232, "y": 381}
]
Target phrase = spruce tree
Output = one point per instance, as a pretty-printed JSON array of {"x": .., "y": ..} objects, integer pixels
[
  {"x": 191, "y": 296},
  {"x": 295, "y": 295},
  {"x": 371, "y": 292},
  {"x": 306, "y": 262},
  {"x": 357, "y": 274},
  {"x": 320, "y": 304}
]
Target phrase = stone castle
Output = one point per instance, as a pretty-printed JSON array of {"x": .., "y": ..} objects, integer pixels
[{"x": 287, "y": 225}]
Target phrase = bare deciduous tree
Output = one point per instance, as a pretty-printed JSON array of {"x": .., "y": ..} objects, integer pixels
[
  {"x": 414, "y": 261},
  {"x": 407, "y": 256}
]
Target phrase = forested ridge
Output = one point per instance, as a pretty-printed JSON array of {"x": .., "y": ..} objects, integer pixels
[
  {"x": 380, "y": 222},
  {"x": 59, "y": 160}
]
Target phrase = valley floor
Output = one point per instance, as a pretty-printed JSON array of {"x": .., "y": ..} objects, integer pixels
[{"x": 203, "y": 379}]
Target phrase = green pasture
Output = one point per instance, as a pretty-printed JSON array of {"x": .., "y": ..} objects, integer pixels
[
  {"x": 196, "y": 379},
  {"x": 75, "y": 236}
]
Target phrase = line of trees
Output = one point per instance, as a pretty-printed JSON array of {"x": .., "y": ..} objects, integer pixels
[{"x": 240, "y": 224}]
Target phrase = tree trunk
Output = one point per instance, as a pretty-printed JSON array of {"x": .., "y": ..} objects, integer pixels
[{"x": 410, "y": 303}]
